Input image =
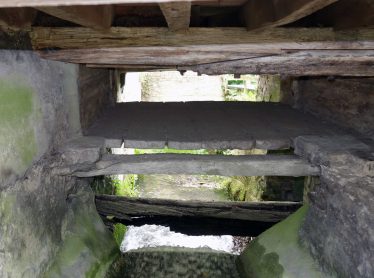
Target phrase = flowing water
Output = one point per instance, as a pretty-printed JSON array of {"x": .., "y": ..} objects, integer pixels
[{"x": 181, "y": 187}]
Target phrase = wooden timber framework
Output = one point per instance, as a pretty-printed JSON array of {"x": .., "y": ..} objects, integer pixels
[
  {"x": 289, "y": 37},
  {"x": 247, "y": 36}
]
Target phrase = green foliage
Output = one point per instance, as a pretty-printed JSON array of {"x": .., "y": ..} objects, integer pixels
[
  {"x": 126, "y": 187},
  {"x": 235, "y": 82},
  {"x": 119, "y": 233},
  {"x": 112, "y": 185},
  {"x": 245, "y": 188},
  {"x": 103, "y": 185},
  {"x": 171, "y": 151},
  {"x": 245, "y": 90}
]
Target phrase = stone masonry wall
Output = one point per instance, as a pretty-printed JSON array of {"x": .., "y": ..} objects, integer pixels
[
  {"x": 348, "y": 102},
  {"x": 49, "y": 225},
  {"x": 95, "y": 93},
  {"x": 338, "y": 227}
]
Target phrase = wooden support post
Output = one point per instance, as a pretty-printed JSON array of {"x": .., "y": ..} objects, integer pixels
[{"x": 177, "y": 14}]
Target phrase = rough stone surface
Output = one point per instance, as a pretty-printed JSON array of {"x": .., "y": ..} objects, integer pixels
[
  {"x": 279, "y": 252},
  {"x": 170, "y": 262},
  {"x": 49, "y": 225},
  {"x": 347, "y": 102},
  {"x": 96, "y": 93},
  {"x": 224, "y": 165},
  {"x": 339, "y": 226},
  {"x": 36, "y": 109},
  {"x": 346, "y": 153}
]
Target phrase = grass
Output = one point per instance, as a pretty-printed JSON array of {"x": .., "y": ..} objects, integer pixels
[
  {"x": 126, "y": 187},
  {"x": 171, "y": 151}
]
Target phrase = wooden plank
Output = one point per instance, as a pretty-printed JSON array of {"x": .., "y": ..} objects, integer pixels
[
  {"x": 195, "y": 226},
  {"x": 302, "y": 63},
  {"x": 177, "y": 14},
  {"x": 161, "y": 57},
  {"x": 346, "y": 62},
  {"x": 178, "y": 164},
  {"x": 42, "y": 3},
  {"x": 80, "y": 38},
  {"x": 124, "y": 207},
  {"x": 96, "y": 17},
  {"x": 273, "y": 13},
  {"x": 133, "y": 68},
  {"x": 16, "y": 19}
]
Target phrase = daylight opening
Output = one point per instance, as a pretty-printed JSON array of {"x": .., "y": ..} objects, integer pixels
[{"x": 173, "y": 174}]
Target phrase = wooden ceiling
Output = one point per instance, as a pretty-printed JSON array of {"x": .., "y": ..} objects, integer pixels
[
  {"x": 180, "y": 33},
  {"x": 179, "y": 15}
]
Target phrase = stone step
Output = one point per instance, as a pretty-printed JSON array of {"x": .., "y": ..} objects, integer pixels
[
  {"x": 171, "y": 262},
  {"x": 187, "y": 164},
  {"x": 206, "y": 125}
]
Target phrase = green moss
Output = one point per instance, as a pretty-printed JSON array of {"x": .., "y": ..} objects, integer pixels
[
  {"x": 6, "y": 208},
  {"x": 88, "y": 248},
  {"x": 16, "y": 132},
  {"x": 119, "y": 233},
  {"x": 278, "y": 252}
]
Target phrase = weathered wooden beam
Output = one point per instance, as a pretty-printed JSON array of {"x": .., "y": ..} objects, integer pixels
[
  {"x": 273, "y": 13},
  {"x": 96, "y": 17},
  {"x": 177, "y": 14},
  {"x": 297, "y": 63},
  {"x": 132, "y": 68},
  {"x": 174, "y": 164},
  {"x": 127, "y": 208},
  {"x": 41, "y": 3},
  {"x": 16, "y": 19},
  {"x": 287, "y": 38},
  {"x": 162, "y": 57},
  {"x": 302, "y": 63},
  {"x": 195, "y": 226}
]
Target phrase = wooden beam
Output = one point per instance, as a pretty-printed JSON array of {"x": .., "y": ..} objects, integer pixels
[
  {"x": 127, "y": 208},
  {"x": 177, "y": 14},
  {"x": 16, "y": 19},
  {"x": 133, "y": 68},
  {"x": 96, "y": 17},
  {"x": 294, "y": 38},
  {"x": 53, "y": 3},
  {"x": 272, "y": 13},
  {"x": 195, "y": 226},
  {"x": 302, "y": 63}
]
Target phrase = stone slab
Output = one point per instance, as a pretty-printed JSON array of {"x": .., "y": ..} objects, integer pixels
[
  {"x": 207, "y": 125},
  {"x": 224, "y": 165}
]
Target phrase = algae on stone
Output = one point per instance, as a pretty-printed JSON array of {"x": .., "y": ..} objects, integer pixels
[
  {"x": 278, "y": 252},
  {"x": 88, "y": 246},
  {"x": 17, "y": 141}
]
